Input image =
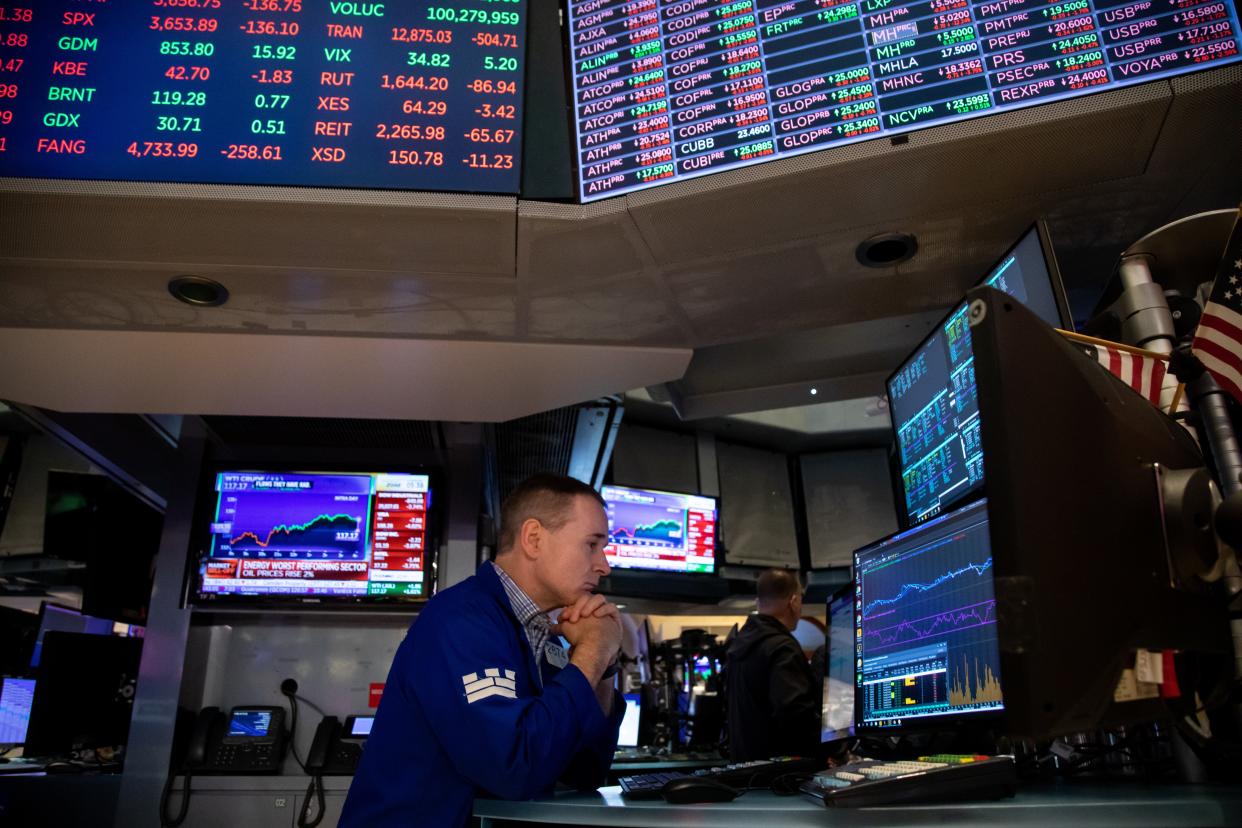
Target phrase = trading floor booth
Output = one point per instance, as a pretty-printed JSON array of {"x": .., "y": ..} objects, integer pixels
[{"x": 908, "y": 298}]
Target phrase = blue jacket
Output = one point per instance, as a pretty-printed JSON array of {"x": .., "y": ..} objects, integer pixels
[{"x": 466, "y": 710}]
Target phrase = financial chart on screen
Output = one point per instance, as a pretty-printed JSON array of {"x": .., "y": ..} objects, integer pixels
[
  {"x": 660, "y": 530},
  {"x": 318, "y": 534},
  {"x": 925, "y": 623},
  {"x": 417, "y": 94},
  {"x": 674, "y": 89},
  {"x": 933, "y": 400}
]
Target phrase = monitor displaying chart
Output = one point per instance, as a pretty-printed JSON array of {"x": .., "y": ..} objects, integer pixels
[
  {"x": 318, "y": 534},
  {"x": 662, "y": 531},
  {"x": 925, "y": 623}
]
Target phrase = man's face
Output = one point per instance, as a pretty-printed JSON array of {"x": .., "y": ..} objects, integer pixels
[{"x": 572, "y": 560}]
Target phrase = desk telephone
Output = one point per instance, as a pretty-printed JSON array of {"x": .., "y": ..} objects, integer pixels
[
  {"x": 248, "y": 740},
  {"x": 337, "y": 749}
]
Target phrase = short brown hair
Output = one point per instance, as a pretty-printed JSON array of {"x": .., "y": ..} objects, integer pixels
[
  {"x": 778, "y": 585},
  {"x": 545, "y": 497}
]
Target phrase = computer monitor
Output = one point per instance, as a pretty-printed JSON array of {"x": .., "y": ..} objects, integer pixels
[
  {"x": 85, "y": 693},
  {"x": 90, "y": 518},
  {"x": 926, "y": 647},
  {"x": 932, "y": 394},
  {"x": 660, "y": 531},
  {"x": 16, "y": 696},
  {"x": 332, "y": 537},
  {"x": 627, "y": 736},
  {"x": 837, "y": 714},
  {"x": 54, "y": 617},
  {"x": 1083, "y": 569}
]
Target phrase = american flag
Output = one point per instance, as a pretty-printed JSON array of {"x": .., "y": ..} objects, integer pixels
[
  {"x": 1142, "y": 372},
  {"x": 1218, "y": 341}
]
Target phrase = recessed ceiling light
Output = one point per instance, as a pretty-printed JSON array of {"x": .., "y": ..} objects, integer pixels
[
  {"x": 886, "y": 249},
  {"x": 198, "y": 291},
  {"x": 814, "y": 391}
]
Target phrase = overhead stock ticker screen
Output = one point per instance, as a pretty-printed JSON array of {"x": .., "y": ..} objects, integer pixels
[
  {"x": 661, "y": 531},
  {"x": 673, "y": 89},
  {"x": 321, "y": 535},
  {"x": 925, "y": 623},
  {"x": 414, "y": 94}
]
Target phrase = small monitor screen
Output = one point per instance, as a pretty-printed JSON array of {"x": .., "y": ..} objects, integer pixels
[
  {"x": 254, "y": 723},
  {"x": 925, "y": 624},
  {"x": 417, "y": 95},
  {"x": 660, "y": 530},
  {"x": 361, "y": 726},
  {"x": 932, "y": 396},
  {"x": 317, "y": 535},
  {"x": 627, "y": 737},
  {"x": 16, "y": 697},
  {"x": 837, "y": 717},
  {"x": 64, "y": 619}
]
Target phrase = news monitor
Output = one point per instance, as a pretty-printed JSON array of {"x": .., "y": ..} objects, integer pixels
[
  {"x": 417, "y": 95},
  {"x": 926, "y": 645},
  {"x": 837, "y": 714},
  {"x": 666, "y": 90},
  {"x": 328, "y": 536},
  {"x": 932, "y": 395},
  {"x": 660, "y": 531}
]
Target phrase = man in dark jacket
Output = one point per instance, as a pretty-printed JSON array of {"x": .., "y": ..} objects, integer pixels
[{"x": 773, "y": 698}]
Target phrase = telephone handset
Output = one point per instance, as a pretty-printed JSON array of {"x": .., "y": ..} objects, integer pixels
[
  {"x": 337, "y": 748},
  {"x": 248, "y": 740}
]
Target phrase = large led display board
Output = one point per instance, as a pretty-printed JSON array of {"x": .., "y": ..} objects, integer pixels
[
  {"x": 415, "y": 94},
  {"x": 673, "y": 89}
]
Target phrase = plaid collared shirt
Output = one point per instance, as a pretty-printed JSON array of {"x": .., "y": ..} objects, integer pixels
[{"x": 533, "y": 620}]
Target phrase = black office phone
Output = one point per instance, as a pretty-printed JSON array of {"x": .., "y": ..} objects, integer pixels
[
  {"x": 248, "y": 740},
  {"x": 337, "y": 747}
]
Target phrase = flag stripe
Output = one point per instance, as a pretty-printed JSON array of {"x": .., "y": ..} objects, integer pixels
[
  {"x": 1145, "y": 375},
  {"x": 1226, "y": 375},
  {"x": 1222, "y": 356}
]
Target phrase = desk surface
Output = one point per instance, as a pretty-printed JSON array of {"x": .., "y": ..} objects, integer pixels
[{"x": 1077, "y": 804}]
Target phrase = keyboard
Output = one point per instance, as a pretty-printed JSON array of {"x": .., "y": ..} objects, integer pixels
[
  {"x": 938, "y": 778},
  {"x": 23, "y": 764},
  {"x": 758, "y": 773}
]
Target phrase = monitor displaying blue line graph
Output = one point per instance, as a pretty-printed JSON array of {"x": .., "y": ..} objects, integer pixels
[
  {"x": 663, "y": 531},
  {"x": 932, "y": 395},
  {"x": 925, "y": 624}
]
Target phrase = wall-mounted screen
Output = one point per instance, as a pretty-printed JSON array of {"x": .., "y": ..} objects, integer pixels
[
  {"x": 661, "y": 531},
  {"x": 318, "y": 535},
  {"x": 672, "y": 89},
  {"x": 418, "y": 95}
]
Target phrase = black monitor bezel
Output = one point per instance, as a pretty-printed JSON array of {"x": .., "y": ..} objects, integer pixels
[
  {"x": 192, "y": 593},
  {"x": 952, "y": 720},
  {"x": 1040, "y": 228},
  {"x": 717, "y": 553},
  {"x": 843, "y": 593}
]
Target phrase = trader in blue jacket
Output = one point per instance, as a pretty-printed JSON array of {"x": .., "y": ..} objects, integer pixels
[{"x": 481, "y": 699}]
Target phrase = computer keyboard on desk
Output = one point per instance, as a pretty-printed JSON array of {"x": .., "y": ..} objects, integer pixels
[
  {"x": 939, "y": 778},
  {"x": 757, "y": 773}
]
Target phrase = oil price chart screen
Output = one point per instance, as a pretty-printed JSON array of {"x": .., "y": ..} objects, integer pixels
[
  {"x": 321, "y": 535},
  {"x": 405, "y": 94},
  {"x": 673, "y": 89}
]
